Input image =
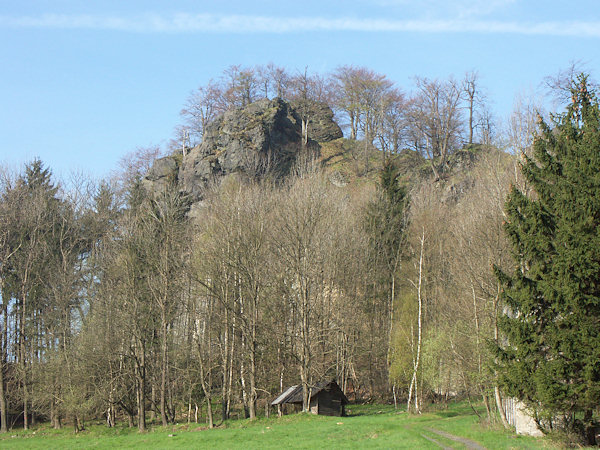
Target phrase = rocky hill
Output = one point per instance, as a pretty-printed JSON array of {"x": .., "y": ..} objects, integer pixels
[{"x": 262, "y": 139}]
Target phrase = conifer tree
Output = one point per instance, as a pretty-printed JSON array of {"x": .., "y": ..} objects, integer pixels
[
  {"x": 551, "y": 356},
  {"x": 386, "y": 226}
]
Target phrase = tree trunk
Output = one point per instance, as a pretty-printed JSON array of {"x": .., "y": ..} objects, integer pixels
[
  {"x": 252, "y": 379},
  {"x": 209, "y": 412},
  {"x": 413, "y": 382},
  {"x": 305, "y": 356},
  {"x": 3, "y": 404},
  {"x": 482, "y": 389},
  {"x": 231, "y": 356},
  {"x": 499, "y": 405},
  {"x": 3, "y": 347},
  {"x": 141, "y": 388},
  {"x": 22, "y": 356},
  {"x": 163, "y": 371},
  {"x": 305, "y": 122},
  {"x": 243, "y": 383},
  {"x": 189, "y": 413},
  {"x": 225, "y": 365},
  {"x": 471, "y": 120},
  {"x": 590, "y": 429},
  {"x": 207, "y": 394},
  {"x": 391, "y": 326},
  {"x": 253, "y": 350},
  {"x": 153, "y": 402}
]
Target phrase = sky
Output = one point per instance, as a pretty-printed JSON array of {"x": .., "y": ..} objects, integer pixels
[{"x": 83, "y": 83}]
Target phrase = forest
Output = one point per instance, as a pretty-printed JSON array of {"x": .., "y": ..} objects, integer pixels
[{"x": 120, "y": 304}]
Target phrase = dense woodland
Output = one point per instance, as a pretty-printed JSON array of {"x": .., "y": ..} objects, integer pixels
[{"x": 117, "y": 305}]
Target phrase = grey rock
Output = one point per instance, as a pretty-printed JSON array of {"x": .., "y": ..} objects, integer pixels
[
  {"x": 262, "y": 139},
  {"x": 163, "y": 173},
  {"x": 321, "y": 126}
]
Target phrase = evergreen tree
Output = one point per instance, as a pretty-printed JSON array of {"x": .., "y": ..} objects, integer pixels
[
  {"x": 551, "y": 357},
  {"x": 386, "y": 225}
]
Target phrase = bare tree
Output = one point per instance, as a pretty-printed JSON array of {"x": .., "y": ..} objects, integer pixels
[
  {"x": 435, "y": 120},
  {"x": 559, "y": 86},
  {"x": 474, "y": 98},
  {"x": 240, "y": 86},
  {"x": 201, "y": 108},
  {"x": 521, "y": 127},
  {"x": 305, "y": 237},
  {"x": 392, "y": 122},
  {"x": 478, "y": 242},
  {"x": 305, "y": 90},
  {"x": 347, "y": 96},
  {"x": 280, "y": 80},
  {"x": 164, "y": 230}
]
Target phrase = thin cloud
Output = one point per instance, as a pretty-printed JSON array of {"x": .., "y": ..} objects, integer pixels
[
  {"x": 458, "y": 9},
  {"x": 211, "y": 23}
]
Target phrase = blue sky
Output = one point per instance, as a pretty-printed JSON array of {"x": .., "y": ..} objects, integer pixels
[{"x": 83, "y": 83}]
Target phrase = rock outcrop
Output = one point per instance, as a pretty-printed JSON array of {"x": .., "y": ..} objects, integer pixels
[
  {"x": 265, "y": 137},
  {"x": 163, "y": 173},
  {"x": 262, "y": 139},
  {"x": 321, "y": 126}
]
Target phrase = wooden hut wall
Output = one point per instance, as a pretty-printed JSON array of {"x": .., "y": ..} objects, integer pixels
[
  {"x": 329, "y": 405},
  {"x": 314, "y": 405}
]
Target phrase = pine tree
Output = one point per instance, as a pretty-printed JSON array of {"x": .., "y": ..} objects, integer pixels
[{"x": 551, "y": 357}]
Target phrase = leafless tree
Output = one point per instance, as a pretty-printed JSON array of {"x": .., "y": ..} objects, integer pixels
[
  {"x": 521, "y": 127},
  {"x": 436, "y": 121},
  {"x": 201, "y": 108},
  {"x": 471, "y": 90},
  {"x": 240, "y": 86},
  {"x": 392, "y": 124}
]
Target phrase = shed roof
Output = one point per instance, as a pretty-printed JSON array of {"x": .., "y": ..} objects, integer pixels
[{"x": 293, "y": 394}]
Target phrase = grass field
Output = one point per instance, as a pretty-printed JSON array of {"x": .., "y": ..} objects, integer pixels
[{"x": 368, "y": 426}]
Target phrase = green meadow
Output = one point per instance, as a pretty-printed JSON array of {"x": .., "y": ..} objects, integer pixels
[{"x": 367, "y": 426}]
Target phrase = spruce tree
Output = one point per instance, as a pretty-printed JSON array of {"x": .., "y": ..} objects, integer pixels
[
  {"x": 551, "y": 356},
  {"x": 386, "y": 226}
]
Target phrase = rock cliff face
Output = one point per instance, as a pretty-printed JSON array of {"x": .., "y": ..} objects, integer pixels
[
  {"x": 321, "y": 126},
  {"x": 163, "y": 173},
  {"x": 262, "y": 139}
]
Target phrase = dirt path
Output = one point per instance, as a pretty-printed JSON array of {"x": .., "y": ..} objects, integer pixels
[
  {"x": 438, "y": 443},
  {"x": 466, "y": 442}
]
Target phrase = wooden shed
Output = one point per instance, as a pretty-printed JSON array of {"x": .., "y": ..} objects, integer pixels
[{"x": 326, "y": 398}]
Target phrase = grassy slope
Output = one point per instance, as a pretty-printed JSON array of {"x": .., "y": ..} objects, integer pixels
[{"x": 368, "y": 427}]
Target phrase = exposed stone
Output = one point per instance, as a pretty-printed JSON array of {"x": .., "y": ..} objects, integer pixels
[
  {"x": 262, "y": 139},
  {"x": 321, "y": 126},
  {"x": 462, "y": 160},
  {"x": 163, "y": 173}
]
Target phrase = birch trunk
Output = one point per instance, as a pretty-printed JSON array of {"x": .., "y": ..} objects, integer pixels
[{"x": 417, "y": 359}]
